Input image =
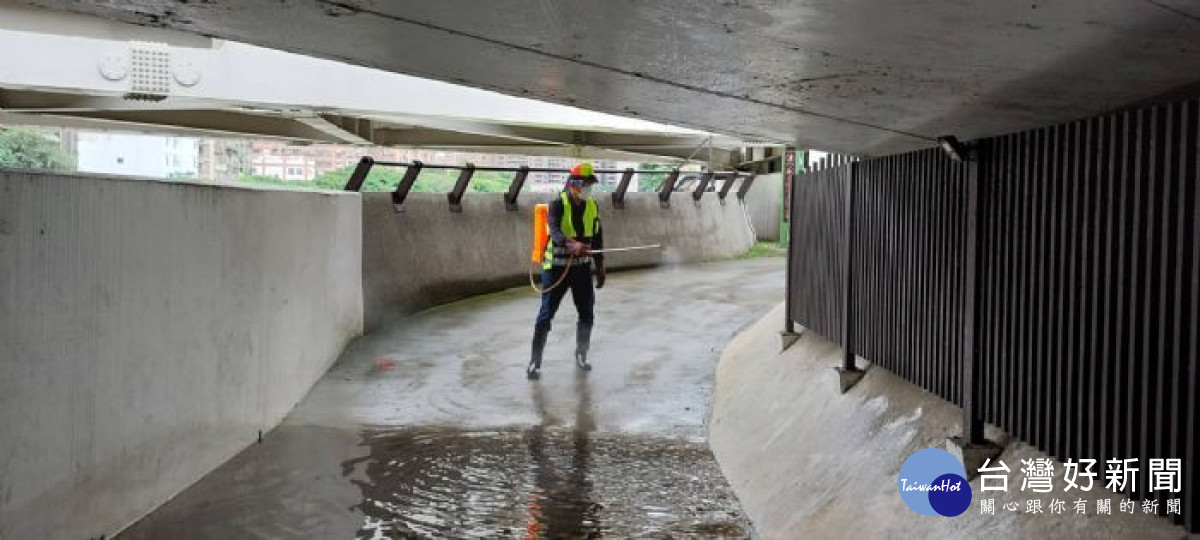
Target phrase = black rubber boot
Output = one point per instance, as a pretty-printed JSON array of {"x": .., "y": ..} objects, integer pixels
[
  {"x": 535, "y": 356},
  {"x": 583, "y": 338}
]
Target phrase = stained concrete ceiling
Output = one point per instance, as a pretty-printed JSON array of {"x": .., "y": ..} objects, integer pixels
[{"x": 856, "y": 76}]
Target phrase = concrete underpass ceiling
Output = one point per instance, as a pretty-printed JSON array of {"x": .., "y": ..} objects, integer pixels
[
  {"x": 201, "y": 117},
  {"x": 197, "y": 117},
  {"x": 866, "y": 77},
  {"x": 80, "y": 77}
]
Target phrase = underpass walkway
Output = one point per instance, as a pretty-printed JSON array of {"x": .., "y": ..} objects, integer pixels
[{"x": 429, "y": 428}]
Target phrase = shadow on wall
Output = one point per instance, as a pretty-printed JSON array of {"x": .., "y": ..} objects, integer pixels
[{"x": 428, "y": 255}]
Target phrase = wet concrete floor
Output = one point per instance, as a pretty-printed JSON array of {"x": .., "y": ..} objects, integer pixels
[{"x": 428, "y": 428}]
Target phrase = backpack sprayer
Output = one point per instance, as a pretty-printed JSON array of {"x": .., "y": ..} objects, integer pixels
[{"x": 541, "y": 236}]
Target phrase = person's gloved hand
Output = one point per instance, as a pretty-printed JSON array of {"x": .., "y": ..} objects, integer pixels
[
  {"x": 600, "y": 276},
  {"x": 577, "y": 248}
]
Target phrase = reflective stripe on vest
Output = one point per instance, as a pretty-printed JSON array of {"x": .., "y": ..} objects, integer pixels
[{"x": 557, "y": 255}]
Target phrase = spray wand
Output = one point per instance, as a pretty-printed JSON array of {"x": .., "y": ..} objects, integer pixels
[
  {"x": 541, "y": 238},
  {"x": 634, "y": 248}
]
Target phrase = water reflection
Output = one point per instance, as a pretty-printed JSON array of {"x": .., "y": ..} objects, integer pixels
[
  {"x": 556, "y": 479},
  {"x": 560, "y": 504},
  {"x": 442, "y": 482}
]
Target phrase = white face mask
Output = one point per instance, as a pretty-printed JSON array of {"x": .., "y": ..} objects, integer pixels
[{"x": 585, "y": 191}]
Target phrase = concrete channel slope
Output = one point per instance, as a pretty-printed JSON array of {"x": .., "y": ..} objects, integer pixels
[
  {"x": 429, "y": 428},
  {"x": 809, "y": 462}
]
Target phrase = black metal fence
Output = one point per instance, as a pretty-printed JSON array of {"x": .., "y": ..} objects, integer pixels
[
  {"x": 1049, "y": 285},
  {"x": 819, "y": 259},
  {"x": 908, "y": 282}
]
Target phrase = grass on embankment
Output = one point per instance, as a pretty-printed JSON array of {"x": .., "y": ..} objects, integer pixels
[{"x": 763, "y": 249}]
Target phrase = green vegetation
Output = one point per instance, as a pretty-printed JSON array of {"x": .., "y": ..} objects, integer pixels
[
  {"x": 268, "y": 180},
  {"x": 763, "y": 249},
  {"x": 387, "y": 178},
  {"x": 27, "y": 149},
  {"x": 652, "y": 182}
]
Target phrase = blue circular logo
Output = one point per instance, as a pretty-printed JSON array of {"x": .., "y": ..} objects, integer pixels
[{"x": 933, "y": 483}]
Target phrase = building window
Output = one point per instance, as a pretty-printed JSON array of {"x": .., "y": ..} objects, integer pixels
[{"x": 295, "y": 171}]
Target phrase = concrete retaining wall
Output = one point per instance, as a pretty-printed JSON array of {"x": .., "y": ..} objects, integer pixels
[
  {"x": 428, "y": 255},
  {"x": 764, "y": 202},
  {"x": 149, "y": 331}
]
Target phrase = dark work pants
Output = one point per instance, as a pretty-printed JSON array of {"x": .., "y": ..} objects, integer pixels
[{"x": 579, "y": 282}]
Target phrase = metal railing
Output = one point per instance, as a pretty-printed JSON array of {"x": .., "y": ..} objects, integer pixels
[
  {"x": 1049, "y": 284},
  {"x": 413, "y": 170}
]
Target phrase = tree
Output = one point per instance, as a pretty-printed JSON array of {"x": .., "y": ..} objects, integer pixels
[{"x": 20, "y": 148}]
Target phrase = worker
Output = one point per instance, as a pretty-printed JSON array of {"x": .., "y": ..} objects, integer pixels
[{"x": 574, "y": 223}]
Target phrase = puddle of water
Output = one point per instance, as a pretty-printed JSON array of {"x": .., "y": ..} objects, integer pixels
[{"x": 541, "y": 482}]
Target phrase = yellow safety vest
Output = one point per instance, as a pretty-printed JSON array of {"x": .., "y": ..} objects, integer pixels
[{"x": 558, "y": 255}]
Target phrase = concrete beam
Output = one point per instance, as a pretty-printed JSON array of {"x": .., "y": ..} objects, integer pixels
[
  {"x": 347, "y": 129},
  {"x": 225, "y": 123},
  {"x": 583, "y": 153},
  {"x": 28, "y": 101}
]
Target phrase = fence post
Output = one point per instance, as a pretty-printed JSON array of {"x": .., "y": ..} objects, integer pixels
[
  {"x": 405, "y": 185},
  {"x": 788, "y": 336},
  {"x": 360, "y": 173},
  {"x": 668, "y": 186},
  {"x": 729, "y": 180},
  {"x": 848, "y": 373},
  {"x": 618, "y": 196},
  {"x": 703, "y": 185},
  {"x": 971, "y": 447},
  {"x": 746, "y": 183},
  {"x": 514, "y": 188},
  {"x": 460, "y": 187}
]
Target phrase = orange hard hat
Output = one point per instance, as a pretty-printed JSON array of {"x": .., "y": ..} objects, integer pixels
[
  {"x": 582, "y": 169},
  {"x": 582, "y": 172}
]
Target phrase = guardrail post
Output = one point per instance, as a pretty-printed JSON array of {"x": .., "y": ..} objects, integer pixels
[
  {"x": 405, "y": 185},
  {"x": 664, "y": 193},
  {"x": 360, "y": 173},
  {"x": 703, "y": 185},
  {"x": 460, "y": 187},
  {"x": 749, "y": 181},
  {"x": 514, "y": 189},
  {"x": 618, "y": 196}
]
